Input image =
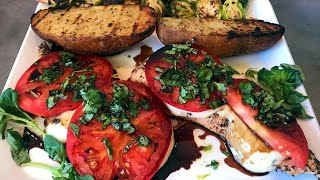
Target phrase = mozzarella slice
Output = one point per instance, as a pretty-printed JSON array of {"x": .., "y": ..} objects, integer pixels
[{"x": 58, "y": 126}]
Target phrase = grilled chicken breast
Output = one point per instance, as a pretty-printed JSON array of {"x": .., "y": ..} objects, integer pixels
[
  {"x": 221, "y": 37},
  {"x": 247, "y": 148},
  {"x": 97, "y": 29}
]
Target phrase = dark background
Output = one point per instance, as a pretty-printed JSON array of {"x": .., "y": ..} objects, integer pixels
[{"x": 300, "y": 17}]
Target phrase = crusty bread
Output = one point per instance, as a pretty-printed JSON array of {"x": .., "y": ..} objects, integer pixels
[
  {"x": 221, "y": 37},
  {"x": 97, "y": 29}
]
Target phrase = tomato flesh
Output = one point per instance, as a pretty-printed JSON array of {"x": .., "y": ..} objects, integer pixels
[
  {"x": 156, "y": 60},
  {"x": 89, "y": 155},
  {"x": 36, "y": 102},
  {"x": 288, "y": 139}
]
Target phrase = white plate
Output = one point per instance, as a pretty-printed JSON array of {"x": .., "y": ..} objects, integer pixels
[{"x": 279, "y": 53}]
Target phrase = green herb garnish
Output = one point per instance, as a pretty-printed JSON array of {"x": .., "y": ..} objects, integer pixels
[
  {"x": 206, "y": 148},
  {"x": 107, "y": 142},
  {"x": 75, "y": 129},
  {"x": 205, "y": 73},
  {"x": 203, "y": 176},
  {"x": 143, "y": 141},
  {"x": 19, "y": 152},
  {"x": 214, "y": 164},
  {"x": 50, "y": 74},
  {"x": 278, "y": 102}
]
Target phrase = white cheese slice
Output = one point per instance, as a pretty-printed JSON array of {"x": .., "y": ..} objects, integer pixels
[
  {"x": 38, "y": 155},
  {"x": 59, "y": 129}
]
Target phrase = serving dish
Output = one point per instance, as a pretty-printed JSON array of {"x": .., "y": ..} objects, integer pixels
[{"x": 124, "y": 63}]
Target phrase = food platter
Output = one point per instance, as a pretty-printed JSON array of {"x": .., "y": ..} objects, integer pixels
[{"x": 124, "y": 63}]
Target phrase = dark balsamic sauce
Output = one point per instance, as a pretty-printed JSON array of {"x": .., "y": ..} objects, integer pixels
[
  {"x": 32, "y": 140},
  {"x": 186, "y": 151},
  {"x": 145, "y": 53}
]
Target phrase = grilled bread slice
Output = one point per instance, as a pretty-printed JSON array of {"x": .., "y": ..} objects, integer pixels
[
  {"x": 97, "y": 29},
  {"x": 221, "y": 37}
]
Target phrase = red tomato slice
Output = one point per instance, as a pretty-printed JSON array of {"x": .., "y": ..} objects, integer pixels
[
  {"x": 89, "y": 155},
  {"x": 288, "y": 140},
  {"x": 38, "y": 105},
  {"x": 172, "y": 98}
]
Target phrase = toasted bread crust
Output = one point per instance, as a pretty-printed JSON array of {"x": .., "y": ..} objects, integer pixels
[
  {"x": 221, "y": 37},
  {"x": 95, "y": 30}
]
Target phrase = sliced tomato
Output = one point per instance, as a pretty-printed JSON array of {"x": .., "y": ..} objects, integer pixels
[
  {"x": 33, "y": 93},
  {"x": 288, "y": 139},
  {"x": 156, "y": 60},
  {"x": 89, "y": 155}
]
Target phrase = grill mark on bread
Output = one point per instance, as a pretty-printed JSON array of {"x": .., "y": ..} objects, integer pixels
[
  {"x": 223, "y": 38},
  {"x": 100, "y": 29}
]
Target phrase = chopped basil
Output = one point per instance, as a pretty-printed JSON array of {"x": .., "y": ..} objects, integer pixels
[
  {"x": 219, "y": 87},
  {"x": 143, "y": 141},
  {"x": 227, "y": 153},
  {"x": 50, "y": 74},
  {"x": 68, "y": 59},
  {"x": 214, "y": 164},
  {"x": 144, "y": 103},
  {"x": 246, "y": 87},
  {"x": 54, "y": 97},
  {"x": 216, "y": 103},
  {"x": 107, "y": 142},
  {"x": 205, "y": 73},
  {"x": 170, "y": 52},
  {"x": 75, "y": 129},
  {"x": 206, "y": 148},
  {"x": 158, "y": 69},
  {"x": 203, "y": 176}
]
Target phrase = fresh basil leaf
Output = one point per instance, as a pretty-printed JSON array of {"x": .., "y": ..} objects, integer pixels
[
  {"x": 55, "y": 149},
  {"x": 296, "y": 98},
  {"x": 264, "y": 77},
  {"x": 75, "y": 129},
  {"x": 107, "y": 142},
  {"x": 246, "y": 87},
  {"x": 3, "y": 128},
  {"x": 300, "y": 112},
  {"x": 19, "y": 152},
  {"x": 251, "y": 74},
  {"x": 280, "y": 75},
  {"x": 9, "y": 103},
  {"x": 249, "y": 99}
]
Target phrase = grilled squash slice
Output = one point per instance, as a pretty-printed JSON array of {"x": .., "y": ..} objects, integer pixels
[
  {"x": 220, "y": 37},
  {"x": 97, "y": 29}
]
